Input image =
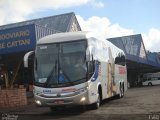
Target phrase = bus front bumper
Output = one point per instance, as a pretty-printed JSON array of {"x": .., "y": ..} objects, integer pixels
[{"x": 79, "y": 99}]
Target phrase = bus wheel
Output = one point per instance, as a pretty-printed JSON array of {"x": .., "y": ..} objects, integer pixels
[
  {"x": 149, "y": 84},
  {"x": 121, "y": 89},
  {"x": 97, "y": 104}
]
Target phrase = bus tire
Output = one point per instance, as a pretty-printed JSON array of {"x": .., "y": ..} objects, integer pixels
[
  {"x": 98, "y": 102},
  {"x": 149, "y": 84},
  {"x": 121, "y": 89}
]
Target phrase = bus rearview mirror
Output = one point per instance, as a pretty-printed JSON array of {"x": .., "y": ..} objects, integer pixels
[{"x": 26, "y": 58}]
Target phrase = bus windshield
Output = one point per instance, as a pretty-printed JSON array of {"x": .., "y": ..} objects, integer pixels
[{"x": 60, "y": 64}]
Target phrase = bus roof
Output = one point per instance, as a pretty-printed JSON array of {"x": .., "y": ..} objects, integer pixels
[
  {"x": 63, "y": 37},
  {"x": 72, "y": 36}
]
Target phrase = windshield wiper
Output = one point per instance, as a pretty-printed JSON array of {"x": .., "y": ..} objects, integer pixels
[
  {"x": 51, "y": 73},
  {"x": 69, "y": 80}
]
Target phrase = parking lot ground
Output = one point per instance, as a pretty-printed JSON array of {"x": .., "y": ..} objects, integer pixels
[{"x": 142, "y": 103}]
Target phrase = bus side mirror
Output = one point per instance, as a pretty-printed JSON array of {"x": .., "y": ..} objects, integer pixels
[
  {"x": 26, "y": 58},
  {"x": 93, "y": 63}
]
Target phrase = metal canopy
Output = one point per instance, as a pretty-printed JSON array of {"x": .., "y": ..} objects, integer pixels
[
  {"x": 137, "y": 58},
  {"x": 61, "y": 23}
]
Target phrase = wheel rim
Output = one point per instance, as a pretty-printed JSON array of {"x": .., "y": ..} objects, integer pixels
[{"x": 150, "y": 84}]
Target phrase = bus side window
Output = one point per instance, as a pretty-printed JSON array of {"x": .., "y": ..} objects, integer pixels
[
  {"x": 155, "y": 78},
  {"x": 144, "y": 79},
  {"x": 120, "y": 59},
  {"x": 91, "y": 66}
]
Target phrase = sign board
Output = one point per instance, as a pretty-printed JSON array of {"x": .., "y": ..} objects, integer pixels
[{"x": 17, "y": 39}]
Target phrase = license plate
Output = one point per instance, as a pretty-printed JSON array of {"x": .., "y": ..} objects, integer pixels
[{"x": 59, "y": 101}]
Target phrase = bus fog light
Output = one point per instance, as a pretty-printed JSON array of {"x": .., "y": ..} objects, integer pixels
[
  {"x": 38, "y": 102},
  {"x": 83, "y": 99}
]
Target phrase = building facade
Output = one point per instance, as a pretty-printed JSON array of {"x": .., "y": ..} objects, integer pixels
[
  {"x": 138, "y": 60},
  {"x": 19, "y": 38}
]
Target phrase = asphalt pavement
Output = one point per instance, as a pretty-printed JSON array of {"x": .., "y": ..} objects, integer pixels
[{"x": 142, "y": 103}]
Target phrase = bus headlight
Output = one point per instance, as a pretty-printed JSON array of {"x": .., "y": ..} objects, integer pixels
[
  {"x": 83, "y": 99},
  {"x": 38, "y": 102}
]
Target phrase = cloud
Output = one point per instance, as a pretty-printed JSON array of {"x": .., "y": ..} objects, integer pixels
[
  {"x": 102, "y": 27},
  {"x": 97, "y": 4},
  {"x": 19, "y": 10},
  {"x": 152, "y": 40}
]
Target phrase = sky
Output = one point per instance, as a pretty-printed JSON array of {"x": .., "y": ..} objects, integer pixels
[{"x": 108, "y": 18}]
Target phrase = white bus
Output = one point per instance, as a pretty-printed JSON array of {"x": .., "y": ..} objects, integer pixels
[
  {"x": 75, "y": 68},
  {"x": 151, "y": 79}
]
